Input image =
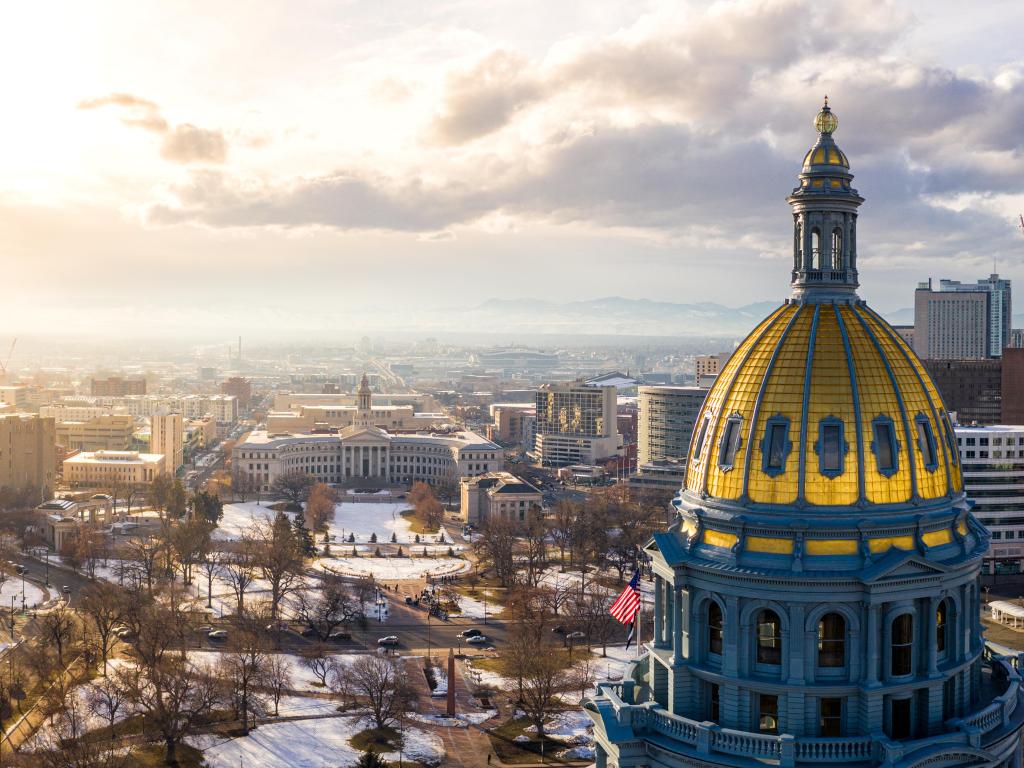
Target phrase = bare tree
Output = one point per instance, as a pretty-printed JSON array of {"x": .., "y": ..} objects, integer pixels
[
  {"x": 317, "y": 661},
  {"x": 561, "y": 525},
  {"x": 496, "y": 546},
  {"x": 279, "y": 555},
  {"x": 320, "y": 506},
  {"x": 60, "y": 629},
  {"x": 210, "y": 565},
  {"x": 380, "y": 683},
  {"x": 294, "y": 486},
  {"x": 277, "y": 678},
  {"x": 103, "y": 604},
  {"x": 240, "y": 568},
  {"x": 331, "y": 606},
  {"x": 174, "y": 695},
  {"x": 145, "y": 553},
  {"x": 243, "y": 665},
  {"x": 189, "y": 540},
  {"x": 105, "y": 699}
]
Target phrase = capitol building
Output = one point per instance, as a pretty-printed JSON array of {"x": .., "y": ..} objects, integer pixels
[
  {"x": 817, "y": 599},
  {"x": 364, "y": 453}
]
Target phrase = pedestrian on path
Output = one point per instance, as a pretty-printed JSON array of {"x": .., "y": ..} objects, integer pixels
[{"x": 488, "y": 758}]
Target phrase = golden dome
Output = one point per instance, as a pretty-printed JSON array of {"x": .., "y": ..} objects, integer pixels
[{"x": 825, "y": 405}]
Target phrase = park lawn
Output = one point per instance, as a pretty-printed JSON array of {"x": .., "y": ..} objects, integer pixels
[
  {"x": 416, "y": 525},
  {"x": 493, "y": 663},
  {"x": 152, "y": 756},
  {"x": 509, "y": 750},
  {"x": 376, "y": 740}
]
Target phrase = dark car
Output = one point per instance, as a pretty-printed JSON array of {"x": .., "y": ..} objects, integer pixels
[
  {"x": 473, "y": 632},
  {"x": 339, "y": 635}
]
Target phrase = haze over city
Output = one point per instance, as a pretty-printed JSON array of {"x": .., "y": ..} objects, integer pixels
[{"x": 305, "y": 169}]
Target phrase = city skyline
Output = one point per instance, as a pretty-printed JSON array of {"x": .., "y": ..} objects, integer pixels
[{"x": 347, "y": 166}]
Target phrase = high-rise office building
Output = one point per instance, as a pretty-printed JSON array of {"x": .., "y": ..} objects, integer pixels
[
  {"x": 576, "y": 423},
  {"x": 167, "y": 437},
  {"x": 971, "y": 388},
  {"x": 27, "y": 452},
  {"x": 993, "y": 464},
  {"x": 962, "y": 321},
  {"x": 999, "y": 312},
  {"x": 667, "y": 416},
  {"x": 239, "y": 387}
]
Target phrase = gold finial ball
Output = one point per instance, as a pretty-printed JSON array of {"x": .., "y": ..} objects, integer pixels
[{"x": 825, "y": 121}]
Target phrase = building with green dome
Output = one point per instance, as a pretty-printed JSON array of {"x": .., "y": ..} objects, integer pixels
[{"x": 817, "y": 599}]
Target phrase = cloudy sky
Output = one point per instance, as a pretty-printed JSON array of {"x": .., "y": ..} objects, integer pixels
[{"x": 240, "y": 166}]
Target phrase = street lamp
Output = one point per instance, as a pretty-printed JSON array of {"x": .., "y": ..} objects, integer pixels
[{"x": 47, "y": 553}]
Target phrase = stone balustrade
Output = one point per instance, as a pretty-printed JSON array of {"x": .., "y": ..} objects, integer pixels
[{"x": 787, "y": 750}]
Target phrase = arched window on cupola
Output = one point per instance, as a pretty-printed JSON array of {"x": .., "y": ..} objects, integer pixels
[
  {"x": 816, "y": 255},
  {"x": 942, "y": 633},
  {"x": 831, "y": 640},
  {"x": 837, "y": 248},
  {"x": 769, "y": 638},
  {"x": 902, "y": 645},
  {"x": 714, "y": 627},
  {"x": 798, "y": 247}
]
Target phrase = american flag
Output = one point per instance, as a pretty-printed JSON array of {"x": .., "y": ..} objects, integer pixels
[{"x": 627, "y": 604}]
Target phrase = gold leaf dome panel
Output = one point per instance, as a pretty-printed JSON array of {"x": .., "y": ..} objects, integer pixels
[{"x": 824, "y": 404}]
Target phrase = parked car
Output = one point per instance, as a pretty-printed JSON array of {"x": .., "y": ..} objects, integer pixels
[
  {"x": 66, "y": 589},
  {"x": 204, "y": 630},
  {"x": 389, "y": 640},
  {"x": 20, "y": 568},
  {"x": 558, "y": 629},
  {"x": 478, "y": 640},
  {"x": 575, "y": 636},
  {"x": 308, "y": 632},
  {"x": 471, "y": 632},
  {"x": 339, "y": 635},
  {"x": 218, "y": 634}
]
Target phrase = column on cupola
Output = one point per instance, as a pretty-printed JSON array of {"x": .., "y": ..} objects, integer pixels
[
  {"x": 659, "y": 609},
  {"x": 930, "y": 639},
  {"x": 680, "y": 608}
]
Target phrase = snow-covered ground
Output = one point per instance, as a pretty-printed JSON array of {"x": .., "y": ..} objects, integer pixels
[
  {"x": 473, "y": 607},
  {"x": 393, "y": 568},
  {"x": 358, "y": 519},
  {"x": 320, "y": 743},
  {"x": 13, "y": 588},
  {"x": 572, "y": 727},
  {"x": 302, "y": 679}
]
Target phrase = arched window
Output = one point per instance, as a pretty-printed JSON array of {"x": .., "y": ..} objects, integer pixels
[
  {"x": 714, "y": 627},
  {"x": 902, "y": 645},
  {"x": 798, "y": 246},
  {"x": 831, "y": 640},
  {"x": 837, "y": 248},
  {"x": 942, "y": 627},
  {"x": 769, "y": 638},
  {"x": 816, "y": 248}
]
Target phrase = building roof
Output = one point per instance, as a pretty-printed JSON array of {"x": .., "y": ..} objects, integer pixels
[{"x": 114, "y": 457}]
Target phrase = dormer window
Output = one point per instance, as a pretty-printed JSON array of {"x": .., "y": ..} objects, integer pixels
[
  {"x": 730, "y": 444},
  {"x": 831, "y": 447},
  {"x": 885, "y": 446}
]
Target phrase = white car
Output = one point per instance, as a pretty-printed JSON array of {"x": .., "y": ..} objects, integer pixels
[
  {"x": 478, "y": 640},
  {"x": 218, "y": 634},
  {"x": 389, "y": 640}
]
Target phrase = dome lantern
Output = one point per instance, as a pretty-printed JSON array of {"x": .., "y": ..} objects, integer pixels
[{"x": 825, "y": 219}]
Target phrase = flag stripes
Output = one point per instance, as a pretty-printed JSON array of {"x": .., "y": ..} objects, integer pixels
[{"x": 627, "y": 604}]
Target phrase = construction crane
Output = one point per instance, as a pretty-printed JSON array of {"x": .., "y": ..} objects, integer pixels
[{"x": 6, "y": 361}]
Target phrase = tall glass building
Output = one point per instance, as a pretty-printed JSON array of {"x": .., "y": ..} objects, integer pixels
[{"x": 817, "y": 599}]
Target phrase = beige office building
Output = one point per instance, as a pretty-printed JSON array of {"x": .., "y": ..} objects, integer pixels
[
  {"x": 111, "y": 432},
  {"x": 951, "y": 325},
  {"x": 104, "y": 469},
  {"x": 665, "y": 422},
  {"x": 167, "y": 437},
  {"x": 27, "y": 452}
]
